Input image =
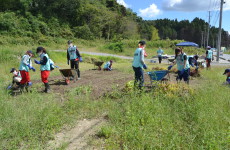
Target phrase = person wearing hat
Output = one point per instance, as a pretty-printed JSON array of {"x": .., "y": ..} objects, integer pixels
[
  {"x": 25, "y": 66},
  {"x": 227, "y": 73},
  {"x": 160, "y": 52},
  {"x": 138, "y": 64},
  {"x": 45, "y": 67},
  {"x": 108, "y": 66},
  {"x": 193, "y": 61},
  {"x": 74, "y": 57},
  {"x": 16, "y": 78},
  {"x": 183, "y": 66},
  {"x": 209, "y": 56}
]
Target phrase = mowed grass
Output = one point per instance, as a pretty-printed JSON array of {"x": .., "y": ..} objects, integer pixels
[{"x": 137, "y": 120}]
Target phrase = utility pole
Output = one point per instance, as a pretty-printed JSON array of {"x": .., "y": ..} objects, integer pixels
[
  {"x": 219, "y": 34},
  {"x": 208, "y": 27},
  {"x": 202, "y": 38}
]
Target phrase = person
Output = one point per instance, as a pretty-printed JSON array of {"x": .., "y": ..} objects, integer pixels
[
  {"x": 25, "y": 66},
  {"x": 16, "y": 78},
  {"x": 73, "y": 56},
  {"x": 138, "y": 64},
  {"x": 108, "y": 66},
  {"x": 45, "y": 67},
  {"x": 209, "y": 56},
  {"x": 227, "y": 73},
  {"x": 159, "y": 54},
  {"x": 193, "y": 61},
  {"x": 183, "y": 66}
]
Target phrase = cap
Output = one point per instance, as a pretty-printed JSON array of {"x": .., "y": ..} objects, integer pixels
[
  {"x": 111, "y": 61},
  {"x": 12, "y": 70},
  {"x": 226, "y": 71},
  {"x": 69, "y": 42},
  {"x": 208, "y": 47},
  {"x": 142, "y": 42},
  {"x": 39, "y": 49},
  {"x": 29, "y": 51}
]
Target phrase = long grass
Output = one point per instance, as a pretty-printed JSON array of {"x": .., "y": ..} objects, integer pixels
[
  {"x": 147, "y": 120},
  {"x": 153, "y": 120}
]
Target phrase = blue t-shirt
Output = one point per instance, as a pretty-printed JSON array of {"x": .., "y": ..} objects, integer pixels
[{"x": 160, "y": 52}]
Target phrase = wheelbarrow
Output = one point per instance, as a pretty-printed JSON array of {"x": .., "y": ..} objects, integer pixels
[
  {"x": 171, "y": 60},
  {"x": 158, "y": 76},
  {"x": 98, "y": 64},
  {"x": 67, "y": 74}
]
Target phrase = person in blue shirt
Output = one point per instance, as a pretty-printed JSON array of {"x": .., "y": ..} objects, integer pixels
[
  {"x": 227, "y": 73},
  {"x": 193, "y": 61},
  {"x": 138, "y": 64},
  {"x": 108, "y": 66},
  {"x": 25, "y": 66},
  {"x": 209, "y": 57},
  {"x": 160, "y": 52},
  {"x": 74, "y": 57},
  {"x": 16, "y": 78},
  {"x": 44, "y": 67},
  {"x": 183, "y": 66}
]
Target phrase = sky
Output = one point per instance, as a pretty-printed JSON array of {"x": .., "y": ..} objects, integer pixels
[{"x": 180, "y": 10}]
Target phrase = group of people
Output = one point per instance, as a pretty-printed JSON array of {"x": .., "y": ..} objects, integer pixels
[
  {"x": 182, "y": 61},
  {"x": 21, "y": 77}
]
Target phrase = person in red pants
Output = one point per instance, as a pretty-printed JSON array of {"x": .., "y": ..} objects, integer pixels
[
  {"x": 45, "y": 67},
  {"x": 25, "y": 66}
]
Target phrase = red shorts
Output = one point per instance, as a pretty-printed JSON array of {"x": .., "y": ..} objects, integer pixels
[
  {"x": 25, "y": 77},
  {"x": 44, "y": 75}
]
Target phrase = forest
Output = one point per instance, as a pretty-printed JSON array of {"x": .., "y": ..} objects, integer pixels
[{"x": 95, "y": 19}]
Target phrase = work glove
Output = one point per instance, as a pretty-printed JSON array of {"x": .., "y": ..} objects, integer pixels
[
  {"x": 80, "y": 59},
  {"x": 192, "y": 65},
  {"x": 9, "y": 87},
  {"x": 145, "y": 66},
  {"x": 37, "y": 62},
  {"x": 32, "y": 68},
  {"x": 170, "y": 67},
  {"x": 29, "y": 83},
  {"x": 68, "y": 62}
]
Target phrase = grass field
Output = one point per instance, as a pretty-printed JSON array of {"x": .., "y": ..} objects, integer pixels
[{"x": 180, "y": 117}]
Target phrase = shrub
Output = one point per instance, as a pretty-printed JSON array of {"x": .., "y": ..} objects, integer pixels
[
  {"x": 83, "y": 32},
  {"x": 116, "y": 47}
]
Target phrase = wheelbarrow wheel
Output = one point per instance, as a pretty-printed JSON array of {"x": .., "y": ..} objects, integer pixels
[{"x": 67, "y": 81}]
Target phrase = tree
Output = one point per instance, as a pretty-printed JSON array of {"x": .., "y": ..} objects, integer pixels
[{"x": 155, "y": 35}]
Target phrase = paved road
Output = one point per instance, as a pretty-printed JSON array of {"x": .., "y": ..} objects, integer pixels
[
  {"x": 223, "y": 61},
  {"x": 224, "y": 56}
]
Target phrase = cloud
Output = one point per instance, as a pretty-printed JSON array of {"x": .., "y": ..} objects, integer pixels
[
  {"x": 150, "y": 12},
  {"x": 193, "y": 5},
  {"x": 122, "y": 2}
]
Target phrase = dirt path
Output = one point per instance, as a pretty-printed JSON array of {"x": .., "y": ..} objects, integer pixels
[
  {"x": 77, "y": 137},
  {"x": 101, "y": 82}
]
